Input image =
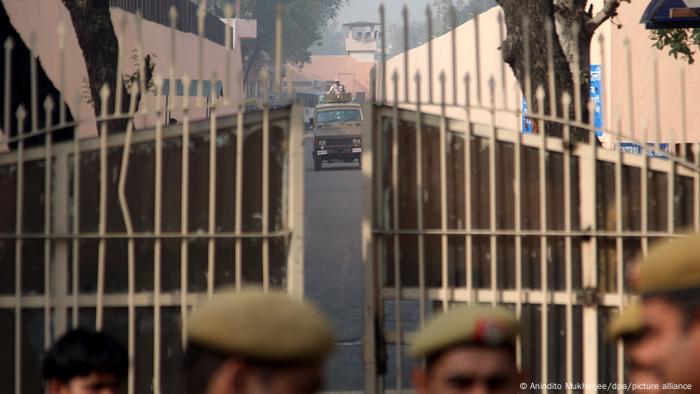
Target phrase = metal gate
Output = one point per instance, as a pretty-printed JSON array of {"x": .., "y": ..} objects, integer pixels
[
  {"x": 460, "y": 210},
  {"x": 126, "y": 231}
]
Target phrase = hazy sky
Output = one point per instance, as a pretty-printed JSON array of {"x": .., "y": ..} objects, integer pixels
[{"x": 368, "y": 10}]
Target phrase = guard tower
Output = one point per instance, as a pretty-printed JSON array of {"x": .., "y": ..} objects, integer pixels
[{"x": 361, "y": 40}]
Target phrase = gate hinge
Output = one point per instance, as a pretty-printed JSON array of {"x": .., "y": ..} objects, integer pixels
[{"x": 588, "y": 296}]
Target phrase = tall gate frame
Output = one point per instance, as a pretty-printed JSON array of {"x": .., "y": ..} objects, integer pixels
[{"x": 459, "y": 210}]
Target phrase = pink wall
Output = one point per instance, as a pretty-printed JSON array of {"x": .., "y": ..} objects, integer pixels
[
  {"x": 669, "y": 81},
  {"x": 351, "y": 73},
  {"x": 615, "y": 100},
  {"x": 489, "y": 60},
  {"x": 42, "y": 17}
]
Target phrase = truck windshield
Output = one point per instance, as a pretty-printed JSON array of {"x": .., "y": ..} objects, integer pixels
[{"x": 338, "y": 116}]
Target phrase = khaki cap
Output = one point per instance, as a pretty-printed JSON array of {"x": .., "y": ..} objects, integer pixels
[
  {"x": 481, "y": 325},
  {"x": 267, "y": 327},
  {"x": 628, "y": 323},
  {"x": 671, "y": 266}
]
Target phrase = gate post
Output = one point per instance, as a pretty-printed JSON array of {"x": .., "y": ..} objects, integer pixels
[
  {"x": 589, "y": 262},
  {"x": 295, "y": 217},
  {"x": 59, "y": 260},
  {"x": 370, "y": 298}
]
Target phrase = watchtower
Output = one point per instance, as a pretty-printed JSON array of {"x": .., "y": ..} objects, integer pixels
[{"x": 361, "y": 40}]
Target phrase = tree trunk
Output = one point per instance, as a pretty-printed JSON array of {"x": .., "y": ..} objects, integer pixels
[
  {"x": 250, "y": 64},
  {"x": 539, "y": 13},
  {"x": 20, "y": 86},
  {"x": 95, "y": 32}
]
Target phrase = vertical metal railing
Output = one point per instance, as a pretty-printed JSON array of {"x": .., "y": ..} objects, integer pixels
[
  {"x": 65, "y": 225},
  {"x": 552, "y": 214}
]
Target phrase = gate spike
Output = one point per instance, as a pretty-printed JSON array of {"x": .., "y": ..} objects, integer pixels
[
  {"x": 138, "y": 19},
  {"x": 383, "y": 80},
  {"x": 186, "y": 81},
  {"x": 406, "y": 47},
  {"x": 526, "y": 50},
  {"x": 104, "y": 97},
  {"x": 549, "y": 31},
  {"x": 48, "y": 109},
  {"x": 60, "y": 38},
  {"x": 429, "y": 22},
  {"x": 453, "y": 50},
  {"x": 172, "y": 83},
  {"x": 7, "y": 94}
]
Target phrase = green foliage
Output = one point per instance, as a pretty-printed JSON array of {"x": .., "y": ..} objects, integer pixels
[
  {"x": 303, "y": 20},
  {"x": 681, "y": 43},
  {"x": 417, "y": 35},
  {"x": 465, "y": 10},
  {"x": 418, "y": 30}
]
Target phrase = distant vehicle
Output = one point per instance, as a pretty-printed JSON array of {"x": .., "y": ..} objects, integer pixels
[
  {"x": 337, "y": 131},
  {"x": 308, "y": 100}
]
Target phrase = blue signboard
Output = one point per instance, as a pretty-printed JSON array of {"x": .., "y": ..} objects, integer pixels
[
  {"x": 653, "y": 150},
  {"x": 527, "y": 122},
  {"x": 596, "y": 94}
]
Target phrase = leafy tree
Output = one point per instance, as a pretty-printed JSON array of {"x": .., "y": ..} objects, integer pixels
[
  {"x": 21, "y": 89},
  {"x": 417, "y": 33},
  {"x": 680, "y": 42},
  {"x": 96, "y": 37},
  {"x": 418, "y": 30},
  {"x": 303, "y": 22},
  {"x": 465, "y": 10},
  {"x": 332, "y": 41}
]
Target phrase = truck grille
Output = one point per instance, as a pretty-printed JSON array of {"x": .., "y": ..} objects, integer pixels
[{"x": 339, "y": 141}]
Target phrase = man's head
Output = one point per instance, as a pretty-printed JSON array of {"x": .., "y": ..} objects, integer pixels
[
  {"x": 85, "y": 362},
  {"x": 629, "y": 327},
  {"x": 669, "y": 283},
  {"x": 467, "y": 350},
  {"x": 253, "y": 342}
]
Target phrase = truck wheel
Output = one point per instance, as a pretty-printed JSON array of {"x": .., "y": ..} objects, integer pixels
[{"x": 318, "y": 164}]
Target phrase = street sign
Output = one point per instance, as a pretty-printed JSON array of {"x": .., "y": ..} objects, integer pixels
[
  {"x": 672, "y": 14},
  {"x": 596, "y": 94},
  {"x": 653, "y": 149},
  {"x": 526, "y": 121}
]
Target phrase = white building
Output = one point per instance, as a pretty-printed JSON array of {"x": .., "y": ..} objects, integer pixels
[{"x": 361, "y": 40}]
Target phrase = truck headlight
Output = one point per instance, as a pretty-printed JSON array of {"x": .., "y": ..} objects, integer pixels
[
  {"x": 321, "y": 143},
  {"x": 357, "y": 141}
]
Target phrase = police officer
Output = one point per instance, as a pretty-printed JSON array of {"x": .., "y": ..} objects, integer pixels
[
  {"x": 629, "y": 327},
  {"x": 253, "y": 342},
  {"x": 669, "y": 284},
  {"x": 467, "y": 350}
]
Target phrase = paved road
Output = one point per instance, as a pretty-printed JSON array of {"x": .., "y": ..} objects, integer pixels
[{"x": 333, "y": 214}]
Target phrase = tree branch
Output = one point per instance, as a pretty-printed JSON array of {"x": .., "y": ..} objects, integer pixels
[{"x": 608, "y": 11}]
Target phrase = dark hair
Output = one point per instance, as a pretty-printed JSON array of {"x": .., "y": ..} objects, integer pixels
[{"x": 82, "y": 352}]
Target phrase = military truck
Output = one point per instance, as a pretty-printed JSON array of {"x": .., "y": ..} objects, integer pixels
[{"x": 337, "y": 131}]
